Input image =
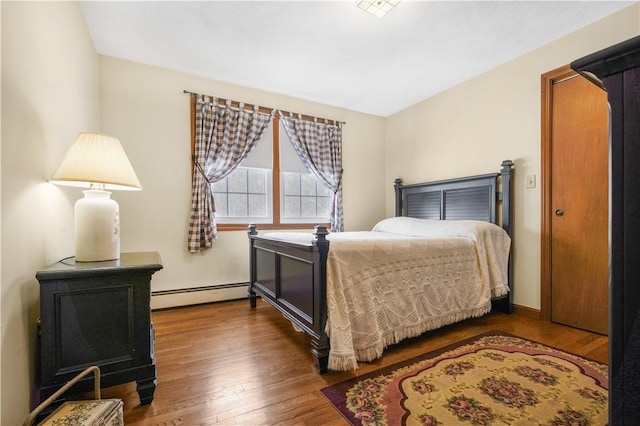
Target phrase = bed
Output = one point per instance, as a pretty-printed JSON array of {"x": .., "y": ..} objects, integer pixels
[{"x": 443, "y": 258}]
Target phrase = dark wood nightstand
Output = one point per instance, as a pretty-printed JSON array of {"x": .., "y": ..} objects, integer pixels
[{"x": 98, "y": 313}]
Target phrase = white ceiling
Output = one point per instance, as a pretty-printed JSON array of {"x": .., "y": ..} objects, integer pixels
[{"x": 332, "y": 52}]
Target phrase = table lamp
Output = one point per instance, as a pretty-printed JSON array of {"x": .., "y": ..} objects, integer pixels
[{"x": 97, "y": 162}]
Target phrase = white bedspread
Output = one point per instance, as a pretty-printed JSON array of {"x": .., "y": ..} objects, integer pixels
[{"x": 405, "y": 277}]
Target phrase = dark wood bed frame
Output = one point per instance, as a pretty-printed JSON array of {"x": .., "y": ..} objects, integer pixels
[{"x": 293, "y": 277}]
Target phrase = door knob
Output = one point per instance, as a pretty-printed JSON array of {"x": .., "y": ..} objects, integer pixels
[{"x": 559, "y": 212}]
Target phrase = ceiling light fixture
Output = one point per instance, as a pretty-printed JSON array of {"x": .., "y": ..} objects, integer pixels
[{"x": 378, "y": 8}]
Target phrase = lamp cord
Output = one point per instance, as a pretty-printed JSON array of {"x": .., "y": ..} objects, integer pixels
[{"x": 66, "y": 258}]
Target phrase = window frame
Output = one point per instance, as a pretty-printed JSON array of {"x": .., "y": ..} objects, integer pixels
[{"x": 275, "y": 175}]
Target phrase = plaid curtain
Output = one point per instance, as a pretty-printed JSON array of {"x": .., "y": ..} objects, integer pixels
[
  {"x": 319, "y": 146},
  {"x": 223, "y": 137}
]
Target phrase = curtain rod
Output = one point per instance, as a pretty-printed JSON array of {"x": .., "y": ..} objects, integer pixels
[{"x": 268, "y": 110}]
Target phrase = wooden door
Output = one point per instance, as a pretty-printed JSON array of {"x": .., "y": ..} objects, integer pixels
[{"x": 578, "y": 203}]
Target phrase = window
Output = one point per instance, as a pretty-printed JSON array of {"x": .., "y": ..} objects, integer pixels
[
  {"x": 303, "y": 198},
  {"x": 244, "y": 195},
  {"x": 279, "y": 194}
]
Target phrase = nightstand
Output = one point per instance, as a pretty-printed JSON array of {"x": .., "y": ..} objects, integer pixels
[{"x": 98, "y": 313}]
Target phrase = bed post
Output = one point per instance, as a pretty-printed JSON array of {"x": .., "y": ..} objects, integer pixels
[
  {"x": 506, "y": 305},
  {"x": 252, "y": 265},
  {"x": 397, "y": 185},
  {"x": 507, "y": 195},
  {"x": 320, "y": 344}
]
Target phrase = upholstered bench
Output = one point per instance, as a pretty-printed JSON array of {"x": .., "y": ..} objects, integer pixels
[
  {"x": 96, "y": 412},
  {"x": 101, "y": 412}
]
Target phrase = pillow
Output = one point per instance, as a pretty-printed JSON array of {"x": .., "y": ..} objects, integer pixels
[{"x": 474, "y": 229}]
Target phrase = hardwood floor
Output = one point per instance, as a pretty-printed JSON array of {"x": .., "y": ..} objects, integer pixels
[{"x": 226, "y": 364}]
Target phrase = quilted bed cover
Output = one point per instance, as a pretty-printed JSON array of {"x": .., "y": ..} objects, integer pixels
[{"x": 405, "y": 277}]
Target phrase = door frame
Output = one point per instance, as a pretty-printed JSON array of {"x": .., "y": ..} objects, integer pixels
[{"x": 548, "y": 79}]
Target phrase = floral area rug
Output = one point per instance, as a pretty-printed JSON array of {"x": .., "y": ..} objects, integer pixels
[{"x": 490, "y": 379}]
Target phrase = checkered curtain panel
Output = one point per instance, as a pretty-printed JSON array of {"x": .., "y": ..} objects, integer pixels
[
  {"x": 319, "y": 145},
  {"x": 224, "y": 136}
]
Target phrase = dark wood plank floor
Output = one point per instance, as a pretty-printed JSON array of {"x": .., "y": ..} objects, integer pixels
[{"x": 226, "y": 364}]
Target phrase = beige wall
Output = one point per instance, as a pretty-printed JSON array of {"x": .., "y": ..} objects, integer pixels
[
  {"x": 49, "y": 94},
  {"x": 472, "y": 127},
  {"x": 145, "y": 107}
]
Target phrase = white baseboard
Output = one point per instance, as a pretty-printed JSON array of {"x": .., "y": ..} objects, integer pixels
[{"x": 196, "y": 296}]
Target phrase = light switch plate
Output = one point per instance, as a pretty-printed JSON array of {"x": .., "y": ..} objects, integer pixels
[{"x": 531, "y": 181}]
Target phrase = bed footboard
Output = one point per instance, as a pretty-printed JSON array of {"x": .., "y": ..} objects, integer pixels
[{"x": 293, "y": 278}]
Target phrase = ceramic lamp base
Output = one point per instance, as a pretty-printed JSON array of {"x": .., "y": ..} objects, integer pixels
[{"x": 97, "y": 227}]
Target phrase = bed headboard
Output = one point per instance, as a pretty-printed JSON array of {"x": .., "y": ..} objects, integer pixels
[{"x": 467, "y": 198}]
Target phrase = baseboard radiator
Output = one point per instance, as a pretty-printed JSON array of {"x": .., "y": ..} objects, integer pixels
[
  {"x": 198, "y": 295},
  {"x": 218, "y": 293}
]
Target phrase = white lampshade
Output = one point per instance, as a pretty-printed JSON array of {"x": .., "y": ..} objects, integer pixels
[
  {"x": 97, "y": 162},
  {"x": 97, "y": 159}
]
